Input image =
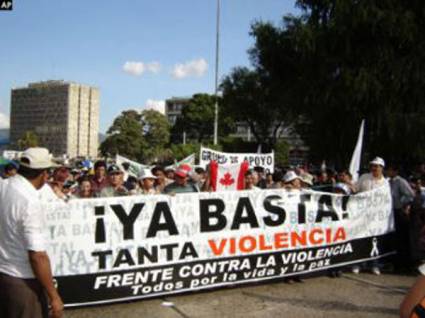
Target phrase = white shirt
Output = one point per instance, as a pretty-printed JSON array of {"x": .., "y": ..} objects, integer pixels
[
  {"x": 22, "y": 226},
  {"x": 47, "y": 194},
  {"x": 368, "y": 182}
]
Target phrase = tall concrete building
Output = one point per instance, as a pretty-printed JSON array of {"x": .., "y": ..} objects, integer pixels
[
  {"x": 174, "y": 108},
  {"x": 64, "y": 115}
]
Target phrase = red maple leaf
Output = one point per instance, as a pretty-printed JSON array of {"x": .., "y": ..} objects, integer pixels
[{"x": 227, "y": 180}]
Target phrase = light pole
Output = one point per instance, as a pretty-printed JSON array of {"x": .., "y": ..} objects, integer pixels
[{"x": 216, "y": 74}]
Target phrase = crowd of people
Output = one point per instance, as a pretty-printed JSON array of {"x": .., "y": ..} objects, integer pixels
[{"x": 109, "y": 179}]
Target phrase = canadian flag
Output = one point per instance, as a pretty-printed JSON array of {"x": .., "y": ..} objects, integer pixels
[{"x": 228, "y": 177}]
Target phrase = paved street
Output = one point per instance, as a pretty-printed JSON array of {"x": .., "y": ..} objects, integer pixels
[{"x": 364, "y": 295}]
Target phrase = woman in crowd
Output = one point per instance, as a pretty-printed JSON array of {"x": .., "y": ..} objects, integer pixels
[
  {"x": 251, "y": 180},
  {"x": 84, "y": 190}
]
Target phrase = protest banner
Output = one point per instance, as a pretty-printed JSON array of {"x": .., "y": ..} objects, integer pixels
[
  {"x": 190, "y": 160},
  {"x": 134, "y": 169},
  {"x": 254, "y": 159},
  {"x": 128, "y": 248},
  {"x": 12, "y": 154}
]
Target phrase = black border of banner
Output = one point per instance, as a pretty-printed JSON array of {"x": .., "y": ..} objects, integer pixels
[{"x": 78, "y": 291}]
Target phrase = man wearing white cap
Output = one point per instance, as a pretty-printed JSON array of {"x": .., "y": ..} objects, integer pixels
[
  {"x": 25, "y": 273},
  {"x": 369, "y": 181},
  {"x": 375, "y": 178}
]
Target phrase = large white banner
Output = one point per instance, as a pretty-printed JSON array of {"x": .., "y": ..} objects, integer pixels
[
  {"x": 254, "y": 159},
  {"x": 126, "y": 248}
]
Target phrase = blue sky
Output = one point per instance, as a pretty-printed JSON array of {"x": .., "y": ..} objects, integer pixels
[{"x": 138, "y": 52}]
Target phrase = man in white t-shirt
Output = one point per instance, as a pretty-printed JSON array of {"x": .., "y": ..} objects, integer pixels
[
  {"x": 25, "y": 273},
  {"x": 375, "y": 178},
  {"x": 369, "y": 181}
]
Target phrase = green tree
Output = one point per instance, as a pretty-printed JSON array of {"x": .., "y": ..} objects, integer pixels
[
  {"x": 197, "y": 120},
  {"x": 281, "y": 153},
  {"x": 28, "y": 139},
  {"x": 181, "y": 151},
  {"x": 249, "y": 96},
  {"x": 156, "y": 133},
  {"x": 341, "y": 61},
  {"x": 125, "y": 137},
  {"x": 139, "y": 136}
]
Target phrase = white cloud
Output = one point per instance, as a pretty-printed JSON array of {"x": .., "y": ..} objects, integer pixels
[
  {"x": 138, "y": 68},
  {"x": 195, "y": 68},
  {"x": 134, "y": 68},
  {"x": 158, "y": 105},
  {"x": 4, "y": 121},
  {"x": 154, "y": 67}
]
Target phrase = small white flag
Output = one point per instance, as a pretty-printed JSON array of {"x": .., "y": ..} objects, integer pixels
[{"x": 357, "y": 155}]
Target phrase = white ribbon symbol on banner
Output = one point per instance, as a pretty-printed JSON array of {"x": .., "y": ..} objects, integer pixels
[{"x": 375, "y": 250}]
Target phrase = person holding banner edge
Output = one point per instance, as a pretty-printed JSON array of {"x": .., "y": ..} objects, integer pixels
[
  {"x": 369, "y": 181},
  {"x": 25, "y": 271}
]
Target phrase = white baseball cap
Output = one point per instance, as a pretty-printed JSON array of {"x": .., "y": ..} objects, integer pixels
[
  {"x": 146, "y": 174},
  {"x": 36, "y": 158},
  {"x": 290, "y": 176},
  {"x": 378, "y": 161}
]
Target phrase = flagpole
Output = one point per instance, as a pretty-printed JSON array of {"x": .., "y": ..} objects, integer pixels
[{"x": 216, "y": 74}]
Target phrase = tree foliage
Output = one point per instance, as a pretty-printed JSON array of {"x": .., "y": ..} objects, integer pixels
[
  {"x": 335, "y": 64},
  {"x": 28, "y": 140},
  {"x": 197, "y": 120},
  {"x": 139, "y": 136},
  {"x": 125, "y": 136},
  {"x": 281, "y": 153},
  {"x": 156, "y": 133},
  {"x": 250, "y": 97}
]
